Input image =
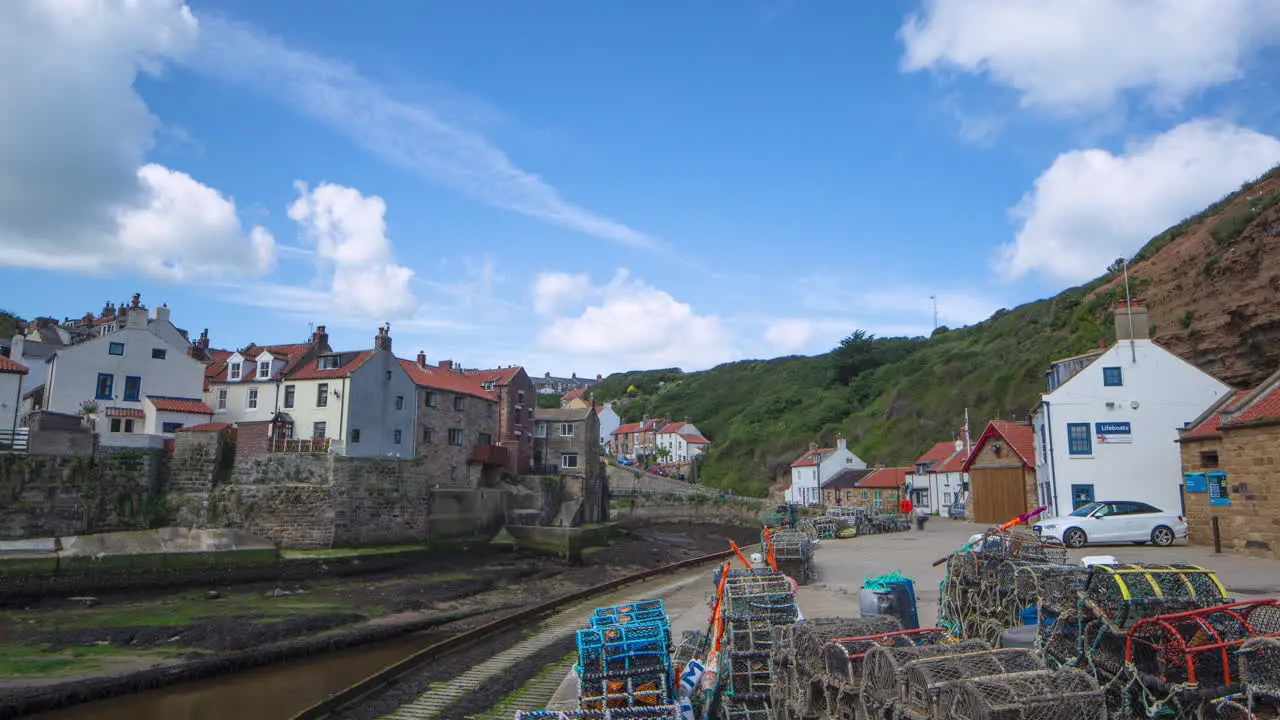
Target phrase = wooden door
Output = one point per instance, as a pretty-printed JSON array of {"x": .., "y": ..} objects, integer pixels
[{"x": 997, "y": 494}]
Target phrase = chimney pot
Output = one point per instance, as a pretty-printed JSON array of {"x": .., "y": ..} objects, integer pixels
[{"x": 422, "y": 359}]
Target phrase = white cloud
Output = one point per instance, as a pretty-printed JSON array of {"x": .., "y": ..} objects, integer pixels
[
  {"x": 636, "y": 325},
  {"x": 75, "y": 193},
  {"x": 788, "y": 336},
  {"x": 1091, "y": 207},
  {"x": 1077, "y": 55},
  {"x": 551, "y": 289},
  {"x": 412, "y": 136},
  {"x": 349, "y": 232}
]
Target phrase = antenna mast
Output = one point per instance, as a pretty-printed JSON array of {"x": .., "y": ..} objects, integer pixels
[
  {"x": 1128, "y": 308},
  {"x": 934, "y": 300}
]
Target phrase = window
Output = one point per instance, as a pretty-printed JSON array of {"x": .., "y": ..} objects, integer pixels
[
  {"x": 251, "y": 400},
  {"x": 170, "y": 428},
  {"x": 566, "y": 429},
  {"x": 946, "y": 499},
  {"x": 395, "y": 437},
  {"x": 159, "y": 353},
  {"x": 485, "y": 439},
  {"x": 1079, "y": 439},
  {"x": 317, "y": 431},
  {"x": 431, "y": 398},
  {"x": 128, "y": 425},
  {"x": 124, "y": 425},
  {"x": 222, "y": 398},
  {"x": 264, "y": 369},
  {"x": 399, "y": 402},
  {"x": 540, "y": 429},
  {"x": 488, "y": 409},
  {"x": 459, "y": 403},
  {"x": 1209, "y": 458},
  {"x": 322, "y": 395},
  {"x": 116, "y": 424},
  {"x": 428, "y": 435},
  {"x": 568, "y": 460},
  {"x": 289, "y": 392},
  {"x": 529, "y": 416},
  {"x": 1111, "y": 377},
  {"x": 116, "y": 348},
  {"x": 106, "y": 383},
  {"x": 327, "y": 362},
  {"x": 455, "y": 436},
  {"x": 520, "y": 397},
  {"x": 233, "y": 371},
  {"x": 355, "y": 435},
  {"x": 132, "y": 388}
]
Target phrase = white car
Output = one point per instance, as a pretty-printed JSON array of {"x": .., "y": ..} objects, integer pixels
[{"x": 1114, "y": 522}]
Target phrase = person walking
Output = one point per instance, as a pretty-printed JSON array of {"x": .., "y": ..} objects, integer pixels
[{"x": 922, "y": 517}]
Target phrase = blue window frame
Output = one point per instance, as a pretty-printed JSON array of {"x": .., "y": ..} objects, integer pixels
[
  {"x": 1079, "y": 439},
  {"x": 106, "y": 383},
  {"x": 1112, "y": 377},
  {"x": 132, "y": 388},
  {"x": 170, "y": 428},
  {"x": 116, "y": 348}
]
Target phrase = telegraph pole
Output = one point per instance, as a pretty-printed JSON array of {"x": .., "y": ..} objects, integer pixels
[{"x": 934, "y": 300}]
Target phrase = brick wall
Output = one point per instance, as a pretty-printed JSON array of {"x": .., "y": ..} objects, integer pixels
[
  {"x": 1199, "y": 512},
  {"x": 518, "y": 400},
  {"x": 1250, "y": 457},
  {"x": 252, "y": 440}
]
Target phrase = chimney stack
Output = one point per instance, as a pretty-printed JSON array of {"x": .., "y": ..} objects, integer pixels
[
  {"x": 320, "y": 339},
  {"x": 203, "y": 342},
  {"x": 841, "y": 443},
  {"x": 1135, "y": 327},
  {"x": 422, "y": 359},
  {"x": 599, "y": 377},
  {"x": 813, "y": 446},
  {"x": 162, "y": 312},
  {"x": 382, "y": 341},
  {"x": 446, "y": 364}
]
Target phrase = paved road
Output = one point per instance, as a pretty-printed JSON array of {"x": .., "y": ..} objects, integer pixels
[{"x": 622, "y": 482}]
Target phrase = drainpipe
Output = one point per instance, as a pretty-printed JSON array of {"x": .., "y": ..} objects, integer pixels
[
  {"x": 342, "y": 416},
  {"x": 17, "y": 403},
  {"x": 1053, "y": 468}
]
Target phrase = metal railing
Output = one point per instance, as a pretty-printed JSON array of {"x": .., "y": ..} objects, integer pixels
[
  {"x": 289, "y": 445},
  {"x": 14, "y": 440}
]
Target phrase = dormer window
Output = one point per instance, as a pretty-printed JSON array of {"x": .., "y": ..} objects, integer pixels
[
  {"x": 327, "y": 362},
  {"x": 264, "y": 369},
  {"x": 233, "y": 371}
]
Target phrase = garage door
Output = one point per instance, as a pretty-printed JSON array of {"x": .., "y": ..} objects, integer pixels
[{"x": 997, "y": 494}]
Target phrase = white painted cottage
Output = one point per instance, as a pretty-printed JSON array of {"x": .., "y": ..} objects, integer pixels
[
  {"x": 816, "y": 466},
  {"x": 1107, "y": 426}
]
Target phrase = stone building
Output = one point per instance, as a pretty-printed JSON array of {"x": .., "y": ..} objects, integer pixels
[
  {"x": 566, "y": 442},
  {"x": 458, "y": 424},
  {"x": 1002, "y": 472},
  {"x": 516, "y": 401},
  {"x": 1231, "y": 470}
]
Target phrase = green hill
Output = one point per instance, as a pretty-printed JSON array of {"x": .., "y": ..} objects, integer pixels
[{"x": 894, "y": 397}]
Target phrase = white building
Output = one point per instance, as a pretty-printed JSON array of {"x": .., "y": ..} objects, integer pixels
[
  {"x": 817, "y": 465},
  {"x": 13, "y": 375},
  {"x": 1108, "y": 424},
  {"x": 938, "y": 478},
  {"x": 112, "y": 376},
  {"x": 609, "y": 421},
  {"x": 682, "y": 441},
  {"x": 248, "y": 385}
]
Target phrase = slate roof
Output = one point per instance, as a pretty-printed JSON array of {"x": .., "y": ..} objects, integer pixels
[
  {"x": 846, "y": 479},
  {"x": 562, "y": 414}
]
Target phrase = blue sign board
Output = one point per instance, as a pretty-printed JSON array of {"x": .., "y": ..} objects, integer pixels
[
  {"x": 1195, "y": 482},
  {"x": 1113, "y": 428}
]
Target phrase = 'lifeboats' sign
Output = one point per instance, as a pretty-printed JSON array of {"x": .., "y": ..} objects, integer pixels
[{"x": 1113, "y": 432}]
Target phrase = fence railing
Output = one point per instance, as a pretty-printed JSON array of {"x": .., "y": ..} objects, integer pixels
[
  {"x": 280, "y": 445},
  {"x": 14, "y": 440}
]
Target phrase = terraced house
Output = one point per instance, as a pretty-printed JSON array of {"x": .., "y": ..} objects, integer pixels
[
  {"x": 457, "y": 423},
  {"x": 248, "y": 384},
  {"x": 516, "y": 400}
]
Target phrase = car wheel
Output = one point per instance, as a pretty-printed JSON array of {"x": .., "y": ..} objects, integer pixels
[
  {"x": 1074, "y": 538},
  {"x": 1162, "y": 536}
]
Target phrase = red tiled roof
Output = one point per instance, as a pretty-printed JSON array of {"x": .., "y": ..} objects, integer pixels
[
  {"x": 1019, "y": 436},
  {"x": 1210, "y": 426},
  {"x": 1261, "y": 409},
  {"x": 190, "y": 406},
  {"x": 955, "y": 463},
  {"x": 310, "y": 371},
  {"x": 291, "y": 353},
  {"x": 439, "y": 378},
  {"x": 627, "y": 428},
  {"x": 12, "y": 366},
  {"x": 813, "y": 457},
  {"x": 673, "y": 427},
  {"x": 695, "y": 439},
  {"x": 497, "y": 376},
  {"x": 206, "y": 427},
  {"x": 939, "y": 452},
  {"x": 125, "y": 412},
  {"x": 885, "y": 477},
  {"x": 574, "y": 394}
]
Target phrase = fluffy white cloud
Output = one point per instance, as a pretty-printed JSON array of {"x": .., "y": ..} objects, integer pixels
[
  {"x": 1091, "y": 207},
  {"x": 551, "y": 289},
  {"x": 633, "y": 324},
  {"x": 74, "y": 190},
  {"x": 1083, "y": 54},
  {"x": 788, "y": 336},
  {"x": 349, "y": 232}
]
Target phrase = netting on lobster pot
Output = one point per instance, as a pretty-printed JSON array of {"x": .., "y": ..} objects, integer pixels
[
  {"x": 844, "y": 656},
  {"x": 735, "y": 709},
  {"x": 659, "y": 712},
  {"x": 799, "y": 668},
  {"x": 1034, "y": 695},
  {"x": 922, "y": 680},
  {"x": 882, "y": 668},
  {"x": 1260, "y": 670},
  {"x": 1124, "y": 593},
  {"x": 1199, "y": 647},
  {"x": 693, "y": 645},
  {"x": 759, "y": 596},
  {"x": 1054, "y": 587}
]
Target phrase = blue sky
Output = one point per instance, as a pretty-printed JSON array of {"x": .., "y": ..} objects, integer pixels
[{"x": 592, "y": 187}]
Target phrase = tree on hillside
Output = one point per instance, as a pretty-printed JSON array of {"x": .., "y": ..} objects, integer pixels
[
  {"x": 854, "y": 356},
  {"x": 548, "y": 401},
  {"x": 1116, "y": 266},
  {"x": 8, "y": 324}
]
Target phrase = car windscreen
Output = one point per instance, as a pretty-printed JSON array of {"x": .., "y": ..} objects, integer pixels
[{"x": 1084, "y": 510}]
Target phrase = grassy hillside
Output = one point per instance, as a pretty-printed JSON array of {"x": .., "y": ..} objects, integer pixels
[
  {"x": 8, "y": 324},
  {"x": 894, "y": 397}
]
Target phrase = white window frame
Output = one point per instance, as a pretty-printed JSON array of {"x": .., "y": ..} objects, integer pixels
[
  {"x": 565, "y": 457},
  {"x": 222, "y": 399},
  {"x": 566, "y": 429},
  {"x": 233, "y": 371},
  {"x": 264, "y": 369},
  {"x": 251, "y": 399}
]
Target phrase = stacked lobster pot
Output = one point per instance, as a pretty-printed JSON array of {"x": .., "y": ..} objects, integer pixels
[
  {"x": 793, "y": 552},
  {"x": 754, "y": 602},
  {"x": 624, "y": 658},
  {"x": 1260, "y": 672},
  {"x": 799, "y": 670},
  {"x": 661, "y": 712},
  {"x": 845, "y": 662}
]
